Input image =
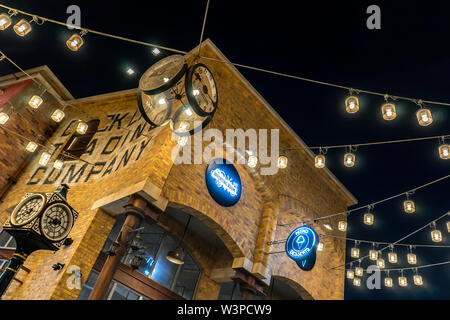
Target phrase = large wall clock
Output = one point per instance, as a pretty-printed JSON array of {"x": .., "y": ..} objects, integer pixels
[
  {"x": 56, "y": 222},
  {"x": 201, "y": 90},
  {"x": 28, "y": 209}
]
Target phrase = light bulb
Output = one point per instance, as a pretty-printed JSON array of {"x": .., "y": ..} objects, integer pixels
[
  {"x": 35, "y": 102},
  {"x": 45, "y": 158},
  {"x": 356, "y": 282},
  {"x": 319, "y": 161},
  {"x": 130, "y": 71},
  {"x": 418, "y": 281},
  {"x": 380, "y": 263},
  {"x": 31, "y": 146},
  {"x": 320, "y": 246},
  {"x": 342, "y": 226},
  {"x": 349, "y": 160},
  {"x": 5, "y": 21},
  {"x": 82, "y": 127},
  {"x": 196, "y": 92},
  {"x": 350, "y": 274},
  {"x": 373, "y": 255},
  {"x": 58, "y": 164},
  {"x": 351, "y": 104},
  {"x": 188, "y": 111},
  {"x": 444, "y": 151},
  {"x": 22, "y": 28},
  {"x": 409, "y": 206},
  {"x": 392, "y": 257},
  {"x": 359, "y": 271},
  {"x": 436, "y": 236},
  {"x": 412, "y": 258},
  {"x": 424, "y": 117},
  {"x": 74, "y": 42},
  {"x": 156, "y": 51},
  {"x": 328, "y": 226},
  {"x": 402, "y": 281},
  {"x": 368, "y": 219},
  {"x": 355, "y": 252},
  {"x": 252, "y": 161},
  {"x": 282, "y": 162},
  {"x": 388, "y": 111},
  {"x": 58, "y": 115},
  {"x": 388, "y": 282},
  {"x": 3, "y": 118},
  {"x": 165, "y": 79}
]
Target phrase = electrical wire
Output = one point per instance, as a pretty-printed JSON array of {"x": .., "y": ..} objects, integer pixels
[
  {"x": 366, "y": 206},
  {"x": 203, "y": 28},
  {"x": 412, "y": 268}
]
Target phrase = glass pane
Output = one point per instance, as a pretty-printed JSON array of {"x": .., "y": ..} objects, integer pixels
[
  {"x": 226, "y": 291},
  {"x": 120, "y": 293},
  {"x": 164, "y": 270},
  {"x": 114, "y": 232},
  {"x": 6, "y": 240},
  {"x": 187, "y": 279},
  {"x": 88, "y": 285}
]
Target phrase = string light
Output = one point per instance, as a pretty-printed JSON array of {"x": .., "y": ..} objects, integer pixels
[
  {"x": 328, "y": 226},
  {"x": 380, "y": 263},
  {"x": 58, "y": 115},
  {"x": 373, "y": 254},
  {"x": 252, "y": 161},
  {"x": 418, "y": 281},
  {"x": 357, "y": 282},
  {"x": 392, "y": 257},
  {"x": 402, "y": 281},
  {"x": 349, "y": 159},
  {"x": 369, "y": 218},
  {"x": 350, "y": 274},
  {"x": 75, "y": 41},
  {"x": 355, "y": 252},
  {"x": 35, "y": 102},
  {"x": 408, "y": 205},
  {"x": 359, "y": 272},
  {"x": 388, "y": 110},
  {"x": 411, "y": 257},
  {"x": 5, "y": 20},
  {"x": 388, "y": 282},
  {"x": 351, "y": 104},
  {"x": 342, "y": 226},
  {"x": 82, "y": 127},
  {"x": 31, "y": 146},
  {"x": 319, "y": 161},
  {"x": 22, "y": 28},
  {"x": 282, "y": 162},
  {"x": 131, "y": 72},
  {"x": 436, "y": 235},
  {"x": 58, "y": 164},
  {"x": 424, "y": 116},
  {"x": 444, "y": 150},
  {"x": 156, "y": 51},
  {"x": 45, "y": 158},
  {"x": 3, "y": 117}
]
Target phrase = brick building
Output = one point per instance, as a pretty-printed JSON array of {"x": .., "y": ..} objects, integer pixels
[{"x": 125, "y": 160}]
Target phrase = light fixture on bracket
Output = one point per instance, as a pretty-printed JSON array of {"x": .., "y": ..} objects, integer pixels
[
  {"x": 423, "y": 115},
  {"x": 388, "y": 109},
  {"x": 75, "y": 41},
  {"x": 320, "y": 160},
  {"x": 5, "y": 19},
  {"x": 23, "y": 27},
  {"x": 444, "y": 149},
  {"x": 177, "y": 255}
]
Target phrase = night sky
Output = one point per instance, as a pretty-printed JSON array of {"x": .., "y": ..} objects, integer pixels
[{"x": 323, "y": 40}]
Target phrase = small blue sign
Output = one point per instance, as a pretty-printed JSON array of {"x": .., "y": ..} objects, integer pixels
[
  {"x": 301, "y": 247},
  {"x": 223, "y": 182}
]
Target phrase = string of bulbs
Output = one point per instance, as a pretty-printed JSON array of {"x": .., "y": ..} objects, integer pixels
[{"x": 408, "y": 207}]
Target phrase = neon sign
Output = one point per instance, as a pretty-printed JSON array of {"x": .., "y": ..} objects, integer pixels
[
  {"x": 301, "y": 247},
  {"x": 223, "y": 182}
]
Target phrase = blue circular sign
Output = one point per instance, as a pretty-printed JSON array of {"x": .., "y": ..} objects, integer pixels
[
  {"x": 301, "y": 243},
  {"x": 223, "y": 182}
]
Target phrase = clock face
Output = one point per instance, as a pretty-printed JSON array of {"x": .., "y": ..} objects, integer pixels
[
  {"x": 163, "y": 74},
  {"x": 155, "y": 109},
  {"x": 186, "y": 122},
  {"x": 27, "y": 210},
  {"x": 201, "y": 90},
  {"x": 56, "y": 222}
]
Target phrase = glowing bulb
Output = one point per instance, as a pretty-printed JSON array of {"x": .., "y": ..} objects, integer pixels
[
  {"x": 388, "y": 111},
  {"x": 436, "y": 236},
  {"x": 74, "y": 42},
  {"x": 409, "y": 206},
  {"x": 320, "y": 246},
  {"x": 156, "y": 51},
  {"x": 196, "y": 92},
  {"x": 252, "y": 161},
  {"x": 402, "y": 281},
  {"x": 368, "y": 219},
  {"x": 82, "y": 127},
  {"x": 355, "y": 252},
  {"x": 424, "y": 117},
  {"x": 188, "y": 111},
  {"x": 31, "y": 146},
  {"x": 357, "y": 282},
  {"x": 392, "y": 257},
  {"x": 165, "y": 80},
  {"x": 58, "y": 115},
  {"x": 342, "y": 226},
  {"x": 5, "y": 21},
  {"x": 35, "y": 102},
  {"x": 350, "y": 274},
  {"x": 388, "y": 282},
  {"x": 58, "y": 164},
  {"x": 130, "y": 71},
  {"x": 373, "y": 255},
  {"x": 22, "y": 28},
  {"x": 418, "y": 281},
  {"x": 45, "y": 158},
  {"x": 359, "y": 271},
  {"x": 319, "y": 161},
  {"x": 412, "y": 258},
  {"x": 380, "y": 263},
  {"x": 351, "y": 104},
  {"x": 349, "y": 160},
  {"x": 282, "y": 162},
  {"x": 444, "y": 152},
  {"x": 3, "y": 118},
  {"x": 328, "y": 226}
]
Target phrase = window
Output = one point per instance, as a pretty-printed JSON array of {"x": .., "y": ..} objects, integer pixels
[
  {"x": 7, "y": 241},
  {"x": 3, "y": 264},
  {"x": 77, "y": 144}
]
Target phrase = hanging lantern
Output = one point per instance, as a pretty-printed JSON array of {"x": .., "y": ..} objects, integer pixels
[
  {"x": 409, "y": 206},
  {"x": 392, "y": 257},
  {"x": 3, "y": 118},
  {"x": 252, "y": 161},
  {"x": 359, "y": 271},
  {"x": 351, "y": 104},
  {"x": 350, "y": 274},
  {"x": 22, "y": 28},
  {"x": 82, "y": 127},
  {"x": 349, "y": 160},
  {"x": 357, "y": 282},
  {"x": 342, "y": 226},
  {"x": 5, "y": 21},
  {"x": 45, "y": 158},
  {"x": 412, "y": 258},
  {"x": 35, "y": 102},
  {"x": 424, "y": 117},
  {"x": 355, "y": 252},
  {"x": 368, "y": 219},
  {"x": 388, "y": 111},
  {"x": 58, "y": 164},
  {"x": 380, "y": 263},
  {"x": 156, "y": 51},
  {"x": 31, "y": 146},
  {"x": 436, "y": 236},
  {"x": 320, "y": 246},
  {"x": 402, "y": 281},
  {"x": 58, "y": 115},
  {"x": 373, "y": 255},
  {"x": 418, "y": 281},
  {"x": 444, "y": 151},
  {"x": 75, "y": 42},
  {"x": 388, "y": 282},
  {"x": 282, "y": 162},
  {"x": 319, "y": 161}
]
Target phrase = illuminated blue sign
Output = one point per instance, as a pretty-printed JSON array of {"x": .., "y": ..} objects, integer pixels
[
  {"x": 223, "y": 182},
  {"x": 301, "y": 247}
]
